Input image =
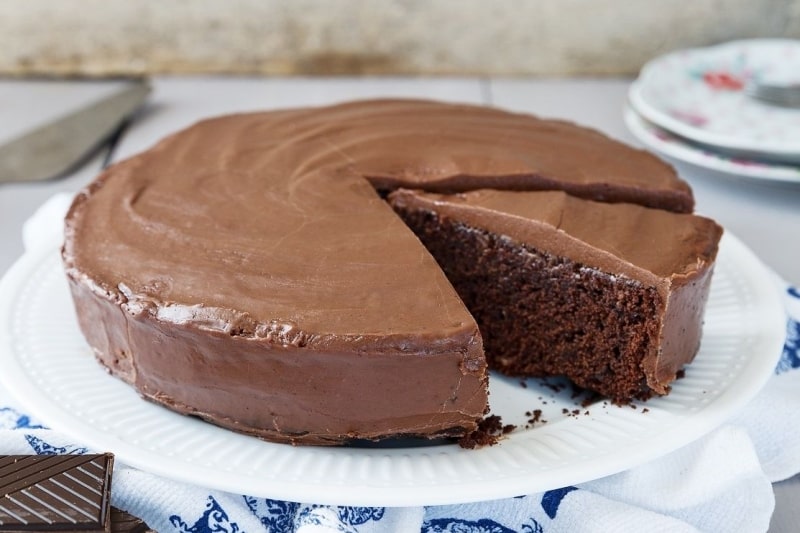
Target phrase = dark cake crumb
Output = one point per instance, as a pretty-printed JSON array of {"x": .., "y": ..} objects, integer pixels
[
  {"x": 534, "y": 417},
  {"x": 487, "y": 434},
  {"x": 680, "y": 374}
]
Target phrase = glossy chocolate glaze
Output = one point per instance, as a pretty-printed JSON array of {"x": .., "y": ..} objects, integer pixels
[
  {"x": 246, "y": 271},
  {"x": 673, "y": 253}
]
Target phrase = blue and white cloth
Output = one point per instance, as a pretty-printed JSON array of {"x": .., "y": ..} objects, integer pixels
[{"x": 721, "y": 482}]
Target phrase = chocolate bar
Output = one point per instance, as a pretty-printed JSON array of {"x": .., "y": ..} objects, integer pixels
[{"x": 55, "y": 492}]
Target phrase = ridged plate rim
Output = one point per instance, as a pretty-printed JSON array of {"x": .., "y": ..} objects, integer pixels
[{"x": 48, "y": 367}]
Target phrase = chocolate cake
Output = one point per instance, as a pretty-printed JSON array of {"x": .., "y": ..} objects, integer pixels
[
  {"x": 247, "y": 271},
  {"x": 609, "y": 295}
]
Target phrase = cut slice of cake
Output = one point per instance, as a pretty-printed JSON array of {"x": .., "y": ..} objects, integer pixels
[{"x": 610, "y": 295}]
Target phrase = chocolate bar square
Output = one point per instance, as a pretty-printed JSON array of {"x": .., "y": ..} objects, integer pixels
[{"x": 55, "y": 492}]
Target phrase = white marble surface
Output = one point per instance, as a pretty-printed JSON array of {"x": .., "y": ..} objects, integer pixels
[{"x": 765, "y": 215}]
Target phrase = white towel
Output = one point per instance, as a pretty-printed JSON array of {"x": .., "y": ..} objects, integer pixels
[{"x": 720, "y": 482}]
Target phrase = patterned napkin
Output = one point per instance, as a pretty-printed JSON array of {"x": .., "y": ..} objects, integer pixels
[{"x": 721, "y": 482}]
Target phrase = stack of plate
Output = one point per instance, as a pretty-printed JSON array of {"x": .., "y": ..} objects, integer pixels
[{"x": 691, "y": 106}]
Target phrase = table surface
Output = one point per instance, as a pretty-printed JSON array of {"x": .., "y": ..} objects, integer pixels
[{"x": 765, "y": 215}]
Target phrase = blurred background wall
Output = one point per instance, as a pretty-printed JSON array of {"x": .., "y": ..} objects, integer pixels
[{"x": 316, "y": 37}]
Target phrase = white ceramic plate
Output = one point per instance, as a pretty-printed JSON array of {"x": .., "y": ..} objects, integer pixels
[
  {"x": 698, "y": 94},
  {"x": 678, "y": 148},
  {"x": 49, "y": 368}
]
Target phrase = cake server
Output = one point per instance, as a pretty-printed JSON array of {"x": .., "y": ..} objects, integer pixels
[{"x": 54, "y": 149}]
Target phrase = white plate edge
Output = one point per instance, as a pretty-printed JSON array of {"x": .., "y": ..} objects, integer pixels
[{"x": 700, "y": 423}]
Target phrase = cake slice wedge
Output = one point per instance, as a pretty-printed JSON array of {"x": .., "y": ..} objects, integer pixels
[{"x": 611, "y": 296}]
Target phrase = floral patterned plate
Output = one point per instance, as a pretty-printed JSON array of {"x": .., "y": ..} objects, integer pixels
[
  {"x": 678, "y": 148},
  {"x": 699, "y": 94}
]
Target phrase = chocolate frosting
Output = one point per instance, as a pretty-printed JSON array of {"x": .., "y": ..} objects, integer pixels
[{"x": 255, "y": 245}]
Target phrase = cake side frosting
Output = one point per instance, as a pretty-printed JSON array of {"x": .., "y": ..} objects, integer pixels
[{"x": 287, "y": 393}]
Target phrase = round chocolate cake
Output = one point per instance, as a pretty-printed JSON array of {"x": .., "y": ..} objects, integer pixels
[{"x": 248, "y": 270}]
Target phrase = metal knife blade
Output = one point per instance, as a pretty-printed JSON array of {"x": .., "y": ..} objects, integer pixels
[{"x": 55, "y": 148}]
